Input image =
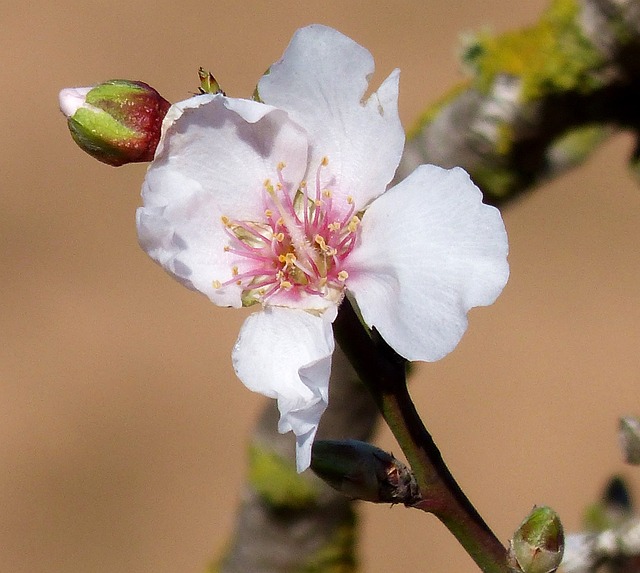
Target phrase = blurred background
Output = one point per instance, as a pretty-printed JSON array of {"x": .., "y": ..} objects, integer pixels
[{"x": 122, "y": 426}]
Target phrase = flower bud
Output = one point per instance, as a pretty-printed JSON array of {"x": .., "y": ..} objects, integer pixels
[
  {"x": 538, "y": 544},
  {"x": 362, "y": 471},
  {"x": 116, "y": 122},
  {"x": 629, "y": 434}
]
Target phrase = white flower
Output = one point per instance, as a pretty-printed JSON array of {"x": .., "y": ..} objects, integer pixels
[{"x": 283, "y": 204}]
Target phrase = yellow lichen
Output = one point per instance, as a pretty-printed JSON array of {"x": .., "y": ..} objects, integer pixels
[
  {"x": 276, "y": 481},
  {"x": 550, "y": 57}
]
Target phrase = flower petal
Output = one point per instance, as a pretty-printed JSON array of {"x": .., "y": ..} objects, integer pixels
[
  {"x": 430, "y": 250},
  {"x": 285, "y": 354},
  {"x": 213, "y": 159},
  {"x": 321, "y": 81}
]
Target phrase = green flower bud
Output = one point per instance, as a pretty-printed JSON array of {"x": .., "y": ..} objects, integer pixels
[
  {"x": 538, "y": 544},
  {"x": 116, "y": 122},
  {"x": 362, "y": 471},
  {"x": 629, "y": 434}
]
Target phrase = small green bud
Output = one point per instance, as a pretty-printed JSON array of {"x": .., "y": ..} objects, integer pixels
[
  {"x": 538, "y": 544},
  {"x": 362, "y": 471},
  {"x": 116, "y": 122},
  {"x": 208, "y": 84},
  {"x": 629, "y": 434}
]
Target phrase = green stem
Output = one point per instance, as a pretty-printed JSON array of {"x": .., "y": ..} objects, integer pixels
[{"x": 384, "y": 373}]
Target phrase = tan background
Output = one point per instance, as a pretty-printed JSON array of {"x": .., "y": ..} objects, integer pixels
[{"x": 122, "y": 427}]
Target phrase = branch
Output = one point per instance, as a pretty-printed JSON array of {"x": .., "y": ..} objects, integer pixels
[{"x": 539, "y": 100}]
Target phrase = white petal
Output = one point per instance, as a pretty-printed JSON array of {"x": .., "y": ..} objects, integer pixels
[
  {"x": 321, "y": 81},
  {"x": 214, "y": 157},
  {"x": 285, "y": 354},
  {"x": 72, "y": 99},
  {"x": 430, "y": 250}
]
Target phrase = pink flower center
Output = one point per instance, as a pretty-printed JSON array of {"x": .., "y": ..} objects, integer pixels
[{"x": 299, "y": 248}]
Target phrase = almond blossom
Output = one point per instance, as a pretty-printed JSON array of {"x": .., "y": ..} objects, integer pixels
[{"x": 283, "y": 204}]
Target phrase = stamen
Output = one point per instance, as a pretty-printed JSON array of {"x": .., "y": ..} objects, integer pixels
[{"x": 300, "y": 245}]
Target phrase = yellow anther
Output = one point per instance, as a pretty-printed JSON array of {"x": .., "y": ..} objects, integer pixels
[
  {"x": 319, "y": 240},
  {"x": 282, "y": 258},
  {"x": 343, "y": 276},
  {"x": 279, "y": 237},
  {"x": 350, "y": 199},
  {"x": 216, "y": 284},
  {"x": 226, "y": 248},
  {"x": 325, "y": 161},
  {"x": 234, "y": 271},
  {"x": 280, "y": 222},
  {"x": 268, "y": 213},
  {"x": 279, "y": 186},
  {"x": 225, "y": 221},
  {"x": 327, "y": 193},
  {"x": 303, "y": 184},
  {"x": 239, "y": 283},
  {"x": 353, "y": 224},
  {"x": 317, "y": 203},
  {"x": 281, "y": 165},
  {"x": 286, "y": 285},
  {"x": 334, "y": 226}
]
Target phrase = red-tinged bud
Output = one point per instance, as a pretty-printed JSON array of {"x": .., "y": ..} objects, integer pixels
[{"x": 116, "y": 122}]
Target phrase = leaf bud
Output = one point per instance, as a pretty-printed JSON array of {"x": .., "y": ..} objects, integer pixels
[
  {"x": 362, "y": 471},
  {"x": 538, "y": 544}
]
